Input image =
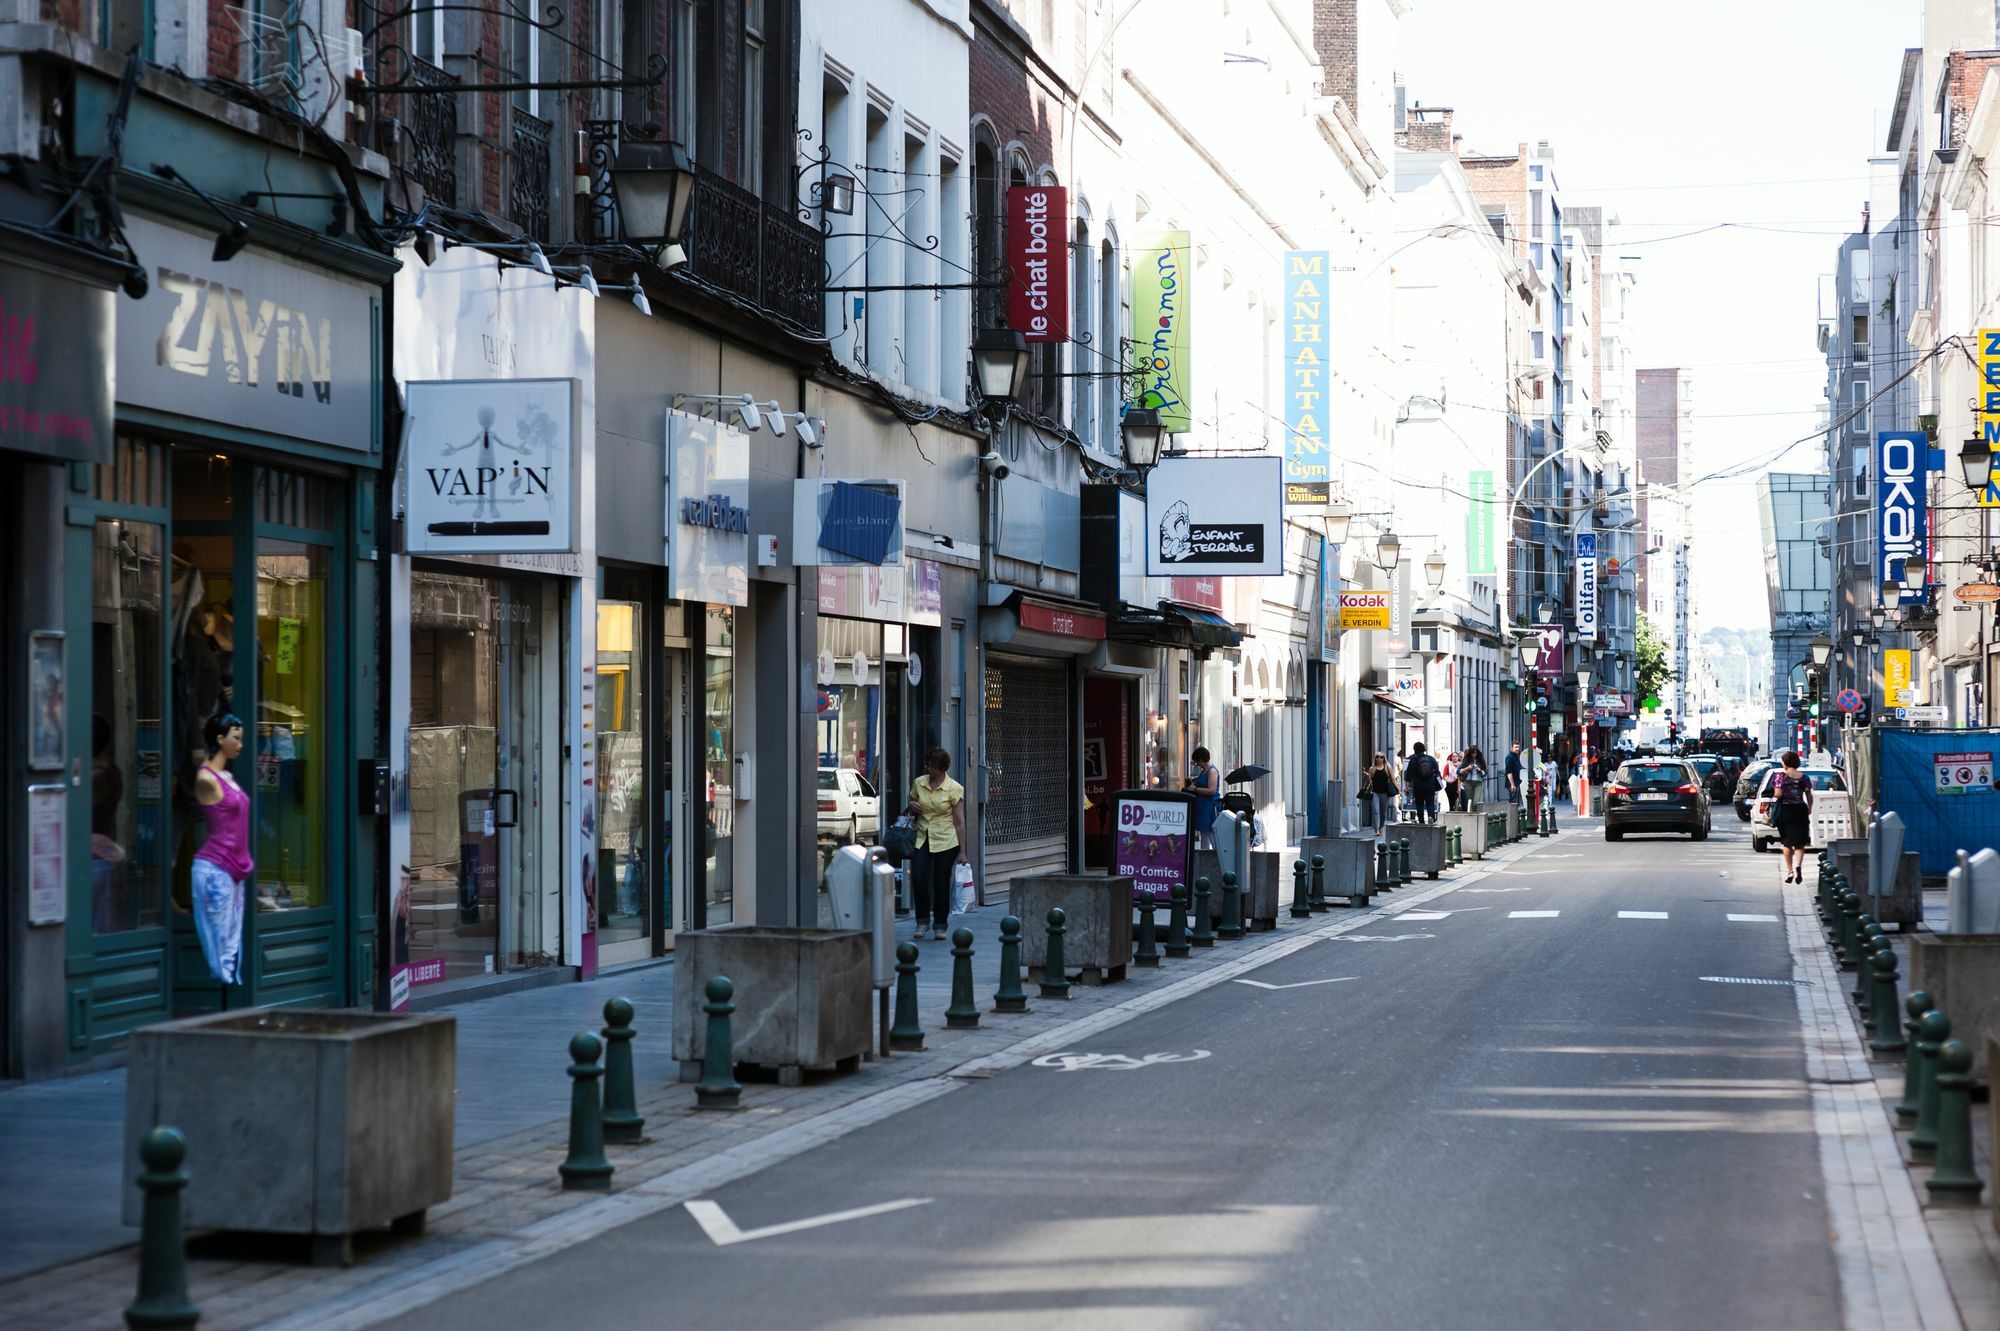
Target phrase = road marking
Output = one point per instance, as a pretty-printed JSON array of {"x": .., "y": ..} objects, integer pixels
[
  {"x": 1532, "y": 914},
  {"x": 1744, "y": 979},
  {"x": 1377, "y": 938},
  {"x": 1259, "y": 984},
  {"x": 1753, "y": 919},
  {"x": 715, "y": 1222},
  {"x": 1496, "y": 889},
  {"x": 1424, "y": 915},
  {"x": 1642, "y": 915},
  {"x": 1114, "y": 1062}
]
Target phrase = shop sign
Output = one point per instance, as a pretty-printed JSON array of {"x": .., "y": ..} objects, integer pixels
[
  {"x": 926, "y": 593},
  {"x": 1364, "y": 610},
  {"x": 1204, "y": 592},
  {"x": 1585, "y": 580},
  {"x": 1060, "y": 621},
  {"x": 1963, "y": 773},
  {"x": 847, "y": 522},
  {"x": 258, "y": 341},
  {"x": 48, "y": 889},
  {"x": 489, "y": 466},
  {"x": 1977, "y": 593},
  {"x": 1308, "y": 465},
  {"x": 708, "y": 507},
  {"x": 1160, "y": 309},
  {"x": 1154, "y": 843},
  {"x": 1220, "y": 516},
  {"x": 863, "y": 591},
  {"x": 1479, "y": 525},
  {"x": 1902, "y": 465},
  {"x": 56, "y": 362},
  {"x": 1549, "y": 661},
  {"x": 1331, "y": 614},
  {"x": 1038, "y": 262},
  {"x": 1896, "y": 690},
  {"x": 1989, "y": 412}
]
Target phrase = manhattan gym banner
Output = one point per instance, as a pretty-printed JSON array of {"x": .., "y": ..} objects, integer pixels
[
  {"x": 1308, "y": 465},
  {"x": 1160, "y": 303}
]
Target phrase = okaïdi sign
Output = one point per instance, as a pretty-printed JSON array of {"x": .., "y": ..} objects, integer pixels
[{"x": 1037, "y": 262}]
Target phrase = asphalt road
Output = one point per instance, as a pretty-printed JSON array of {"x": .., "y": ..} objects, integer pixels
[{"x": 1497, "y": 1122}]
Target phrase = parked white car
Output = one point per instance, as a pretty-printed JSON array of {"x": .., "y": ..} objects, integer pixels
[
  {"x": 1762, "y": 834},
  {"x": 850, "y": 812}
]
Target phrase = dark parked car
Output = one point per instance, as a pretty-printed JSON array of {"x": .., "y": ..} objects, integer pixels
[
  {"x": 1656, "y": 795},
  {"x": 1746, "y": 785}
]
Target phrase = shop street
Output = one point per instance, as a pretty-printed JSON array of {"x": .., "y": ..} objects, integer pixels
[{"x": 1533, "y": 1111}]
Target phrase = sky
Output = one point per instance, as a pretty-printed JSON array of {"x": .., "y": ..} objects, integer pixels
[{"x": 1756, "y": 113}]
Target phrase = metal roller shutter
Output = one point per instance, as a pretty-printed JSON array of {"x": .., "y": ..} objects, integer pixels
[{"x": 1028, "y": 762}]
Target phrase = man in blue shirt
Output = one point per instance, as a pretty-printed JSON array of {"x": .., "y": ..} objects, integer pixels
[{"x": 1514, "y": 772}]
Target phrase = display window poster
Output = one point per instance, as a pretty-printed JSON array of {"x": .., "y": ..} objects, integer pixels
[{"x": 1153, "y": 840}]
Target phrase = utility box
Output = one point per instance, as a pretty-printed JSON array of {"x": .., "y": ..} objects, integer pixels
[{"x": 862, "y": 886}]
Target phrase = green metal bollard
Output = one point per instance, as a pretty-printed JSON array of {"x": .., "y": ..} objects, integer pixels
[
  {"x": 1146, "y": 955},
  {"x": 1010, "y": 996},
  {"x": 1847, "y": 945},
  {"x": 963, "y": 1014},
  {"x": 1301, "y": 894},
  {"x": 1888, "y": 1011},
  {"x": 1232, "y": 909},
  {"x": 1177, "y": 921},
  {"x": 1953, "y": 1179},
  {"x": 1202, "y": 935},
  {"x": 718, "y": 1088},
  {"x": 1317, "y": 901},
  {"x": 1384, "y": 880},
  {"x": 907, "y": 1034},
  {"x": 1055, "y": 972},
  {"x": 585, "y": 1169},
  {"x": 162, "y": 1300},
  {"x": 1918, "y": 1003},
  {"x": 1403, "y": 875},
  {"x": 1453, "y": 839},
  {"x": 1932, "y": 1031},
  {"x": 1871, "y": 939},
  {"x": 622, "y": 1124}
]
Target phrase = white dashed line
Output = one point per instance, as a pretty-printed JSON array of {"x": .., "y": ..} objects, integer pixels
[
  {"x": 1532, "y": 914},
  {"x": 1423, "y": 915},
  {"x": 1642, "y": 915},
  {"x": 1753, "y": 919}
]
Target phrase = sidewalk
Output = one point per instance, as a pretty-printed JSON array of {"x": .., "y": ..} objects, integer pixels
[{"x": 512, "y": 1107}]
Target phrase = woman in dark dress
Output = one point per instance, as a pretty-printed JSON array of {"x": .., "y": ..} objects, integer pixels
[{"x": 1791, "y": 815}]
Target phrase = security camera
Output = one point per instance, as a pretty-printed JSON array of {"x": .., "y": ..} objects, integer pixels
[{"x": 995, "y": 466}]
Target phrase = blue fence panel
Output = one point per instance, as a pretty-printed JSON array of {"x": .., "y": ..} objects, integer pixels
[{"x": 1943, "y": 815}]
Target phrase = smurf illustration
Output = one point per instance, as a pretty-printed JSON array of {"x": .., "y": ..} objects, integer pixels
[{"x": 1176, "y": 534}]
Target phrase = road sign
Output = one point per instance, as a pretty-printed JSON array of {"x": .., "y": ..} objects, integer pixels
[
  {"x": 1848, "y": 701},
  {"x": 1963, "y": 773},
  {"x": 1611, "y": 566},
  {"x": 1934, "y": 712}
]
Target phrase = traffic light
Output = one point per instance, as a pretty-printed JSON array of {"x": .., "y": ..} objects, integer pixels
[{"x": 1812, "y": 709}]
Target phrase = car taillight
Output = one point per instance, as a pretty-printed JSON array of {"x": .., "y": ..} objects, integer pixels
[
  {"x": 1689, "y": 789},
  {"x": 828, "y": 806},
  {"x": 1616, "y": 789}
]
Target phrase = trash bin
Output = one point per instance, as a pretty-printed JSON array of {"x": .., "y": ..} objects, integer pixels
[{"x": 861, "y": 885}]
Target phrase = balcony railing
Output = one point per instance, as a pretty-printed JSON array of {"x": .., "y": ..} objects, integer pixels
[
  {"x": 756, "y": 250},
  {"x": 528, "y": 175},
  {"x": 430, "y": 156}
]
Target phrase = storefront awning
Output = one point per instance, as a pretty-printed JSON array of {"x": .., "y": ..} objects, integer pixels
[
  {"x": 1173, "y": 624},
  {"x": 1391, "y": 700},
  {"x": 1050, "y": 625}
]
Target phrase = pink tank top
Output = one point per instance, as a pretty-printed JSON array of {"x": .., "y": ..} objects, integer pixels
[{"x": 228, "y": 819}]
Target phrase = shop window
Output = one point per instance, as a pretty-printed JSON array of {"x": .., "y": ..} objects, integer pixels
[
  {"x": 127, "y": 809},
  {"x": 718, "y": 743},
  {"x": 849, "y": 738},
  {"x": 622, "y": 897}
]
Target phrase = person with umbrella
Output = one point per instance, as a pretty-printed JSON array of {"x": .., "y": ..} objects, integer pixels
[{"x": 1205, "y": 784}]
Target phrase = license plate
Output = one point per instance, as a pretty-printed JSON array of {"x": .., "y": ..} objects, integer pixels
[{"x": 1661, "y": 798}]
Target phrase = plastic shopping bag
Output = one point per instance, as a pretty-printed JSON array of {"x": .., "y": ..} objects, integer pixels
[{"x": 964, "y": 896}]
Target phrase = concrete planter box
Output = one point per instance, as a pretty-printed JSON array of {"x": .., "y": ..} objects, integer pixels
[
  {"x": 1097, "y": 922},
  {"x": 1904, "y": 905},
  {"x": 1471, "y": 832},
  {"x": 1426, "y": 846},
  {"x": 300, "y": 1121},
  {"x": 1961, "y": 973},
  {"x": 802, "y": 997},
  {"x": 1350, "y": 864},
  {"x": 1270, "y": 882},
  {"x": 1485, "y": 807},
  {"x": 1844, "y": 852}
]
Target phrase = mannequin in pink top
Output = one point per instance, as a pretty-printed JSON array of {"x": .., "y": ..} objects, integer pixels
[{"x": 223, "y": 865}]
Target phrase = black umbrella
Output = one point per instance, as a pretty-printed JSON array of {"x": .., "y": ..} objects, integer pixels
[{"x": 1250, "y": 772}]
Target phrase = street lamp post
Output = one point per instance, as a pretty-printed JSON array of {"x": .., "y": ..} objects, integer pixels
[
  {"x": 1530, "y": 648},
  {"x": 1583, "y": 725}
]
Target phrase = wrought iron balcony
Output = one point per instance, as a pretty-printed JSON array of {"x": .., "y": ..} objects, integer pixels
[
  {"x": 756, "y": 250},
  {"x": 430, "y": 156},
  {"x": 528, "y": 175}
]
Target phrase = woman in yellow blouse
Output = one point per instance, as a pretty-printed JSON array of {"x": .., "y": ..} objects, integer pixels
[{"x": 938, "y": 804}]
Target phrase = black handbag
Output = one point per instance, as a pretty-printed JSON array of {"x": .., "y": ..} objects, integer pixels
[{"x": 899, "y": 840}]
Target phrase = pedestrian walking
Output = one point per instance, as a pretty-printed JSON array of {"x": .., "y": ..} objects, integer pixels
[
  {"x": 1205, "y": 784},
  {"x": 1452, "y": 763},
  {"x": 1423, "y": 779},
  {"x": 938, "y": 804},
  {"x": 1382, "y": 790},
  {"x": 1471, "y": 777},
  {"x": 1792, "y": 815},
  {"x": 223, "y": 865},
  {"x": 1513, "y": 772}
]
